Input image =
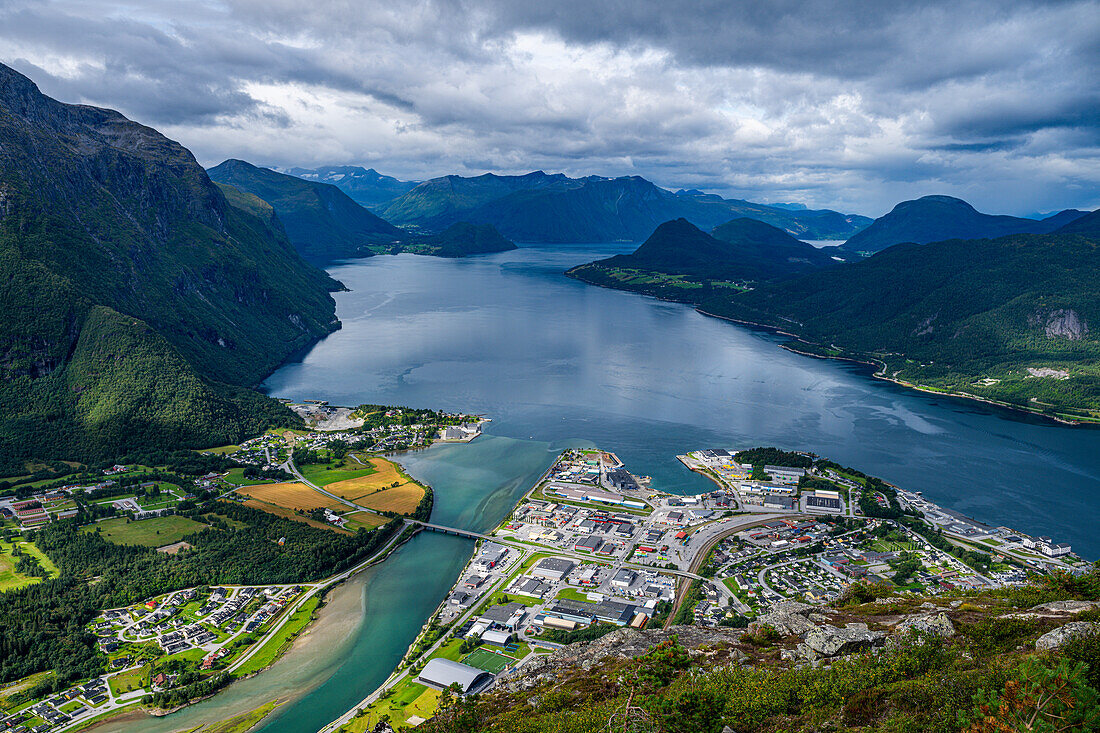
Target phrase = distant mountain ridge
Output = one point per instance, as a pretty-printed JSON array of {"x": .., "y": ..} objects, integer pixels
[
  {"x": 937, "y": 218},
  {"x": 138, "y": 301},
  {"x": 366, "y": 186},
  {"x": 541, "y": 207}
]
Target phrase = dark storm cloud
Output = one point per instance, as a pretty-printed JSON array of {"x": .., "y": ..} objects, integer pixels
[{"x": 853, "y": 105}]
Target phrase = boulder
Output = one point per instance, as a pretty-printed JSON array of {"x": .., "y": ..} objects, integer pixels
[
  {"x": 829, "y": 641},
  {"x": 786, "y": 617},
  {"x": 1073, "y": 630},
  {"x": 1073, "y": 607},
  {"x": 1054, "y": 609},
  {"x": 936, "y": 624}
]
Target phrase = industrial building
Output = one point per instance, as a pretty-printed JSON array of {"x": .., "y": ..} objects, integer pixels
[{"x": 440, "y": 673}]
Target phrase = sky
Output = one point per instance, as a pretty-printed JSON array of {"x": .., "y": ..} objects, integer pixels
[{"x": 846, "y": 105}]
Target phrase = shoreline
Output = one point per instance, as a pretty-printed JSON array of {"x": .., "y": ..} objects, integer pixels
[
  {"x": 881, "y": 375},
  {"x": 879, "y": 367}
]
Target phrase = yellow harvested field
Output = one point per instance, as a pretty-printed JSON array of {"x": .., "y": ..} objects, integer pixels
[
  {"x": 402, "y": 499},
  {"x": 290, "y": 495},
  {"x": 365, "y": 520},
  {"x": 281, "y": 511},
  {"x": 384, "y": 476}
]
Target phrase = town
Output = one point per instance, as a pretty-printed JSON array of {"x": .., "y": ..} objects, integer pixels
[{"x": 591, "y": 548}]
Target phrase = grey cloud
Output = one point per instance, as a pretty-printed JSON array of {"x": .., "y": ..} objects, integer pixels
[{"x": 849, "y": 105}]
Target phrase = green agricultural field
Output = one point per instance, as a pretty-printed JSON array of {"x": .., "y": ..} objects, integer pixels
[
  {"x": 11, "y": 580},
  {"x": 405, "y": 700},
  {"x": 127, "y": 681},
  {"x": 324, "y": 474},
  {"x": 153, "y": 532}
]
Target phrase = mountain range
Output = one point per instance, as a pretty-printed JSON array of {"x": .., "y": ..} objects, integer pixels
[
  {"x": 936, "y": 218},
  {"x": 681, "y": 262},
  {"x": 324, "y": 224},
  {"x": 541, "y": 207},
  {"x": 366, "y": 186},
  {"x": 1011, "y": 319},
  {"x": 322, "y": 221},
  {"x": 138, "y": 301}
]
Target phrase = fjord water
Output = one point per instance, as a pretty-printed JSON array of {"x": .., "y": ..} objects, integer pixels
[
  {"x": 556, "y": 363},
  {"x": 550, "y": 359}
]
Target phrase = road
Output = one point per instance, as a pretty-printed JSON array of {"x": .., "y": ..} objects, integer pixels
[
  {"x": 398, "y": 675},
  {"x": 314, "y": 588}
]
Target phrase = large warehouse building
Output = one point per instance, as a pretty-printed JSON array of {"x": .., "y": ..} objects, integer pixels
[{"x": 442, "y": 673}]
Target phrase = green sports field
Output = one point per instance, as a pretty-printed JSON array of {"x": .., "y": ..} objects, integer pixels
[{"x": 488, "y": 660}]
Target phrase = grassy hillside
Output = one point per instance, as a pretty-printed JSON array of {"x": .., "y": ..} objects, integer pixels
[
  {"x": 1012, "y": 319},
  {"x": 680, "y": 262},
  {"x": 981, "y": 671},
  {"x": 118, "y": 258}
]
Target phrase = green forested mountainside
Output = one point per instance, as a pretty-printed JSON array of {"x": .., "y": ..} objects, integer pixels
[
  {"x": 680, "y": 262},
  {"x": 970, "y": 316},
  {"x": 325, "y": 225},
  {"x": 322, "y": 222},
  {"x": 119, "y": 256},
  {"x": 538, "y": 207},
  {"x": 937, "y": 218},
  {"x": 366, "y": 186}
]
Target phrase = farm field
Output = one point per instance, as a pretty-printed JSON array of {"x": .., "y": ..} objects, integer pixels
[
  {"x": 409, "y": 699},
  {"x": 402, "y": 499},
  {"x": 364, "y": 519},
  {"x": 153, "y": 532},
  {"x": 291, "y": 496},
  {"x": 127, "y": 681},
  {"x": 282, "y": 511},
  {"x": 384, "y": 475},
  {"x": 323, "y": 475},
  {"x": 9, "y": 579},
  {"x": 377, "y": 490}
]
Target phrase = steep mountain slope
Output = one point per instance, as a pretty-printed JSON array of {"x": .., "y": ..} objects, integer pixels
[
  {"x": 133, "y": 290},
  {"x": 538, "y": 207},
  {"x": 366, "y": 186},
  {"x": 936, "y": 218},
  {"x": 1012, "y": 319},
  {"x": 680, "y": 262},
  {"x": 322, "y": 222}
]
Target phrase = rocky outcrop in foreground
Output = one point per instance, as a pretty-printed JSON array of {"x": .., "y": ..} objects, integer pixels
[{"x": 805, "y": 634}]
